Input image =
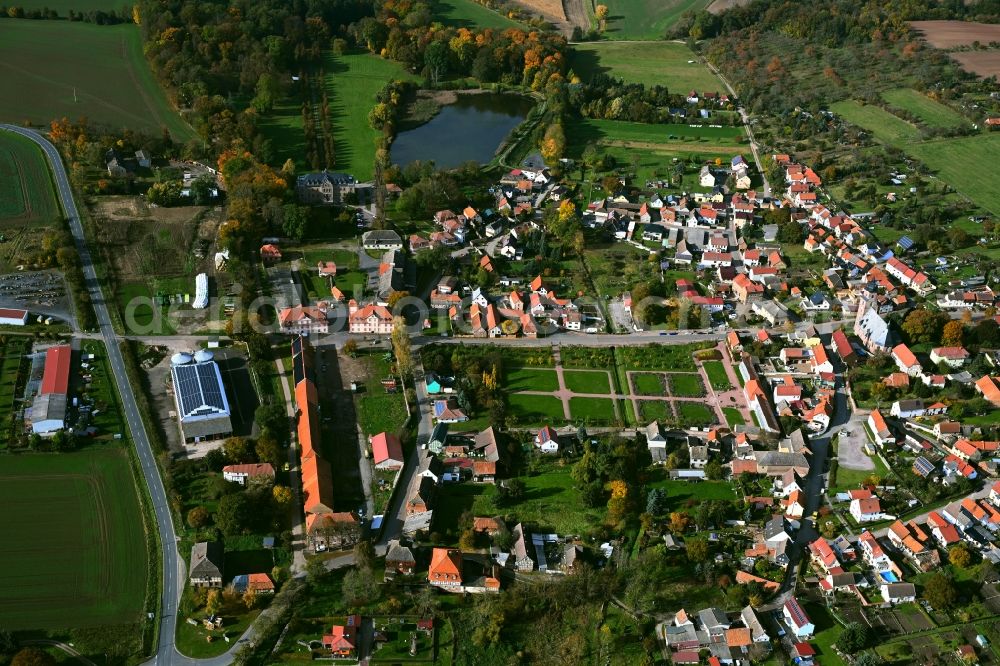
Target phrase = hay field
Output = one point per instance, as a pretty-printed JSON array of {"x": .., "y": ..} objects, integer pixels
[{"x": 662, "y": 63}]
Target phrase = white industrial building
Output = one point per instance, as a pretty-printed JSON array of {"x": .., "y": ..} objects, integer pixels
[
  {"x": 200, "y": 292},
  {"x": 12, "y": 317},
  {"x": 202, "y": 407}
]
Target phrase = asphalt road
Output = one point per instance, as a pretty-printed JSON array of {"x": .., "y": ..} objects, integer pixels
[{"x": 173, "y": 572}]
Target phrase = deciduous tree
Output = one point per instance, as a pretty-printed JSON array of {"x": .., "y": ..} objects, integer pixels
[{"x": 198, "y": 517}]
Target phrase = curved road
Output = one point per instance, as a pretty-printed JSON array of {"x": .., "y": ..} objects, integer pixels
[{"x": 173, "y": 566}]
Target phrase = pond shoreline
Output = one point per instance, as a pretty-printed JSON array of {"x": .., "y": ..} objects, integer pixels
[
  {"x": 426, "y": 104},
  {"x": 451, "y": 127}
]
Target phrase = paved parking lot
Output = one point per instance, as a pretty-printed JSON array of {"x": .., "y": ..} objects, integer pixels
[{"x": 851, "y": 444}]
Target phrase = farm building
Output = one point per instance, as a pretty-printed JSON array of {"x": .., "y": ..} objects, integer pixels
[
  {"x": 10, "y": 317},
  {"x": 249, "y": 473},
  {"x": 206, "y": 564},
  {"x": 202, "y": 406},
  {"x": 48, "y": 411}
]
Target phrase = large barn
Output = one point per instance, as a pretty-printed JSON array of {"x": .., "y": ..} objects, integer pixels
[
  {"x": 202, "y": 406},
  {"x": 48, "y": 411}
]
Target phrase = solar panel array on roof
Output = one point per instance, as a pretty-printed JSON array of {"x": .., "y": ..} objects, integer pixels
[
  {"x": 923, "y": 466},
  {"x": 795, "y": 612},
  {"x": 905, "y": 242},
  {"x": 199, "y": 390}
]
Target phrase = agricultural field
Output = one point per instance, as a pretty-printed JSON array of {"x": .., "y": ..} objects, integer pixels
[
  {"x": 646, "y": 19},
  {"x": 651, "y": 148},
  {"x": 982, "y": 63},
  {"x": 80, "y": 558},
  {"x": 63, "y": 69},
  {"x": 351, "y": 83},
  {"x": 63, "y": 7},
  {"x": 931, "y": 112},
  {"x": 949, "y": 34},
  {"x": 471, "y": 14},
  {"x": 885, "y": 126},
  {"x": 949, "y": 159},
  {"x": 954, "y": 161},
  {"x": 662, "y": 63},
  {"x": 26, "y": 191}
]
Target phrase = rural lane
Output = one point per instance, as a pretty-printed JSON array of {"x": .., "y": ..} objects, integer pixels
[{"x": 173, "y": 565}]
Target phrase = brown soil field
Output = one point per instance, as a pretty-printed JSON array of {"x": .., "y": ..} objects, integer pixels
[
  {"x": 550, "y": 9},
  {"x": 949, "y": 34},
  {"x": 719, "y": 6},
  {"x": 983, "y": 63}
]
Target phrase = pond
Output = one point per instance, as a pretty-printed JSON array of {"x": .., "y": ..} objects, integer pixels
[{"x": 472, "y": 128}]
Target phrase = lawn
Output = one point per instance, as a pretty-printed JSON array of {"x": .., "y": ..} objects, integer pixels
[
  {"x": 848, "y": 479},
  {"x": 351, "y": 84},
  {"x": 592, "y": 409},
  {"x": 680, "y": 492},
  {"x": 686, "y": 386},
  {"x": 551, "y": 501},
  {"x": 534, "y": 409},
  {"x": 79, "y": 558},
  {"x": 662, "y": 63},
  {"x": 532, "y": 379},
  {"x": 470, "y": 14},
  {"x": 647, "y": 19},
  {"x": 733, "y": 416},
  {"x": 827, "y": 631},
  {"x": 379, "y": 411},
  {"x": 931, "y": 112},
  {"x": 655, "y": 410},
  {"x": 582, "y": 381},
  {"x": 885, "y": 126},
  {"x": 950, "y": 159},
  {"x": 695, "y": 414},
  {"x": 717, "y": 376},
  {"x": 62, "y": 69},
  {"x": 648, "y": 383},
  {"x": 26, "y": 190},
  {"x": 192, "y": 641}
]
